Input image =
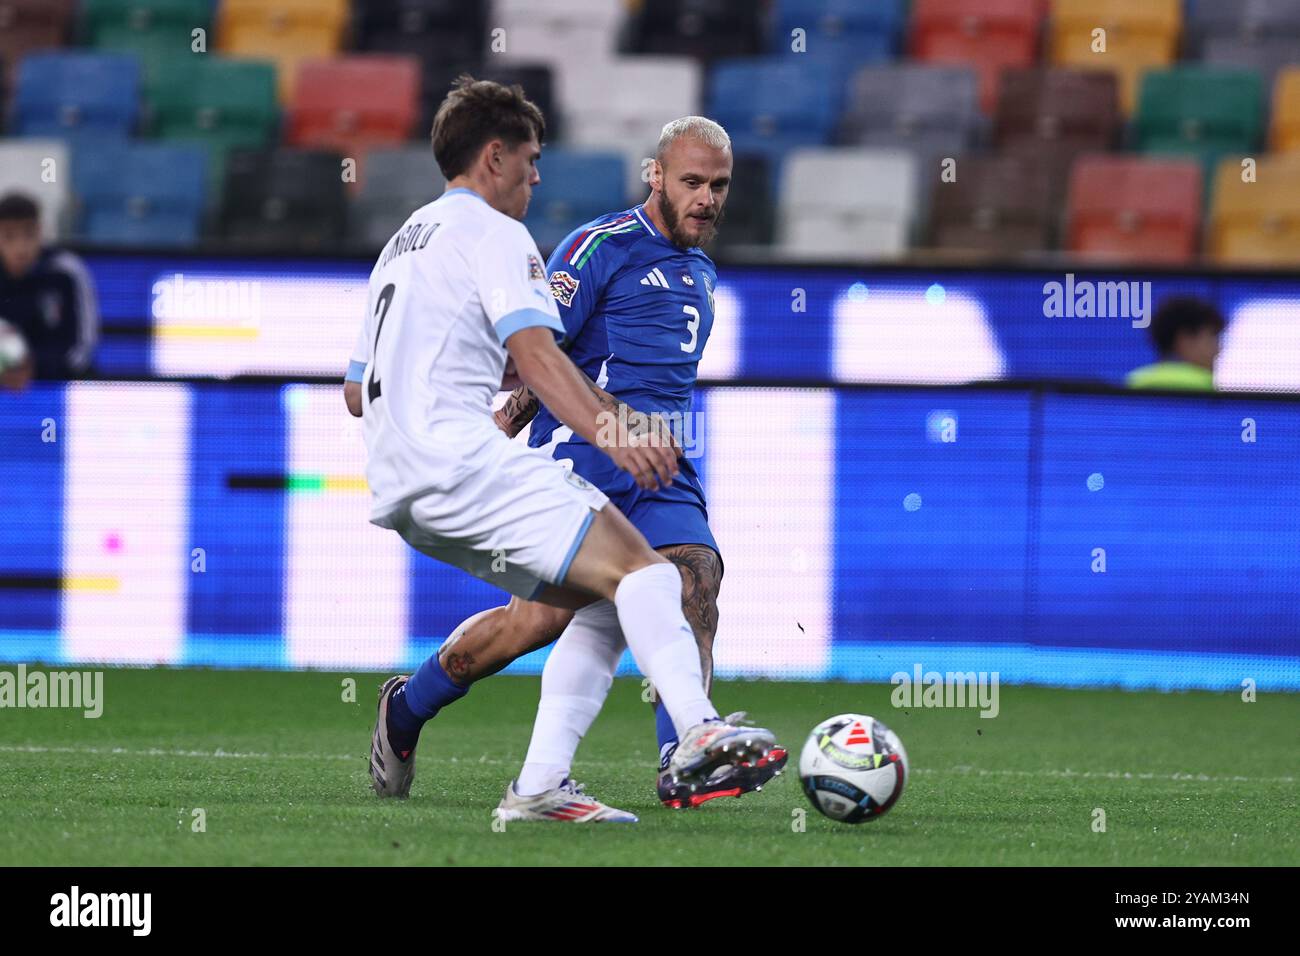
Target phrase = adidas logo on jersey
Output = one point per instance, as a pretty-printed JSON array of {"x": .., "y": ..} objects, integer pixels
[{"x": 655, "y": 277}]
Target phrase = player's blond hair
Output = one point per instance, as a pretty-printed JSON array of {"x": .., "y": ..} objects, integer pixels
[{"x": 698, "y": 127}]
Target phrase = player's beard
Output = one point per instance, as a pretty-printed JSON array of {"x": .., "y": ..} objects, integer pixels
[{"x": 677, "y": 235}]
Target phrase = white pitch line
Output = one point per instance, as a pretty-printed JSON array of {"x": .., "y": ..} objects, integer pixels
[{"x": 486, "y": 760}]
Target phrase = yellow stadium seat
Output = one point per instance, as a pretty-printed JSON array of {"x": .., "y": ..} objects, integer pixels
[
  {"x": 283, "y": 31},
  {"x": 1286, "y": 110},
  {"x": 1138, "y": 36},
  {"x": 1256, "y": 223}
]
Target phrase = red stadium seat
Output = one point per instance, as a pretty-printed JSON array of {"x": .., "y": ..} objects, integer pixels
[
  {"x": 989, "y": 36},
  {"x": 352, "y": 103},
  {"x": 1135, "y": 209}
]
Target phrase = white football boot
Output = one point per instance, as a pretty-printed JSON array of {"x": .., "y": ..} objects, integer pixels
[
  {"x": 566, "y": 803},
  {"x": 717, "y": 743}
]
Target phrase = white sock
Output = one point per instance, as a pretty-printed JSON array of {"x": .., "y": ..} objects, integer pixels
[
  {"x": 575, "y": 682},
  {"x": 649, "y": 605}
]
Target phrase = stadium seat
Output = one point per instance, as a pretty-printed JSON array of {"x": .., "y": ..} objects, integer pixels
[
  {"x": 1126, "y": 209},
  {"x": 1208, "y": 21},
  {"x": 1285, "y": 136},
  {"x": 219, "y": 103},
  {"x": 74, "y": 94},
  {"x": 427, "y": 29},
  {"x": 621, "y": 105},
  {"x": 576, "y": 187},
  {"x": 24, "y": 166},
  {"x": 28, "y": 25},
  {"x": 1003, "y": 205},
  {"x": 705, "y": 29},
  {"x": 283, "y": 199},
  {"x": 285, "y": 32},
  {"x": 770, "y": 105},
  {"x": 749, "y": 214},
  {"x": 394, "y": 184},
  {"x": 1139, "y": 36},
  {"x": 1057, "y": 114},
  {"x": 536, "y": 79},
  {"x": 843, "y": 30},
  {"x": 1256, "y": 223},
  {"x": 846, "y": 204},
  {"x": 589, "y": 28},
  {"x": 151, "y": 29},
  {"x": 1199, "y": 112},
  {"x": 991, "y": 37},
  {"x": 143, "y": 194},
  {"x": 931, "y": 110},
  {"x": 351, "y": 103}
]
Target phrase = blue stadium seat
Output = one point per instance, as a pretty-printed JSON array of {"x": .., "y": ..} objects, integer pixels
[
  {"x": 75, "y": 94},
  {"x": 844, "y": 29},
  {"x": 576, "y": 187},
  {"x": 142, "y": 194},
  {"x": 771, "y": 105}
]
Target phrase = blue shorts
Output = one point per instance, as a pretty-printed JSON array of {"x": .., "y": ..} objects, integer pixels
[{"x": 673, "y": 515}]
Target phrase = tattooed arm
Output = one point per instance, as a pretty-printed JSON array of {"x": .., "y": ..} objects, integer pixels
[
  {"x": 522, "y": 406},
  {"x": 518, "y": 411}
]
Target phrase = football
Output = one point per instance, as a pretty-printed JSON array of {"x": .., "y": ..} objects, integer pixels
[
  {"x": 853, "y": 768},
  {"x": 13, "y": 347}
]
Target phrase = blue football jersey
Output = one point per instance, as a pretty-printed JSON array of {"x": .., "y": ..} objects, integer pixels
[{"x": 637, "y": 312}]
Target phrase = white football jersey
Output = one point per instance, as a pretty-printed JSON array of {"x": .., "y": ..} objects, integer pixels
[{"x": 449, "y": 288}]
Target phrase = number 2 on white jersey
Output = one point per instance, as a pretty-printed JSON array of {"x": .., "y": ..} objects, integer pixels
[{"x": 692, "y": 326}]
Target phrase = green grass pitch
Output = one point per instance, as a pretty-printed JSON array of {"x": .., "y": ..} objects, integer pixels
[{"x": 277, "y": 763}]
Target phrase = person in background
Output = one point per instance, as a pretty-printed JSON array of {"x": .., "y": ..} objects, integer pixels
[
  {"x": 1185, "y": 332},
  {"x": 47, "y": 295}
]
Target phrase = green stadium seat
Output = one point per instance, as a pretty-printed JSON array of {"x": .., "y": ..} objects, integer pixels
[
  {"x": 1200, "y": 112},
  {"x": 152, "y": 29},
  {"x": 219, "y": 103}
]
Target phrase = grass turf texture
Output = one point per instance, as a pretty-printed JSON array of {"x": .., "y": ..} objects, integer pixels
[{"x": 278, "y": 763}]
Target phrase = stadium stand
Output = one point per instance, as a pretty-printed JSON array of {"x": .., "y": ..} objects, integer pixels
[
  {"x": 394, "y": 182},
  {"x": 581, "y": 185},
  {"x": 703, "y": 29},
  {"x": 143, "y": 194},
  {"x": 839, "y": 204},
  {"x": 1137, "y": 37},
  {"x": 284, "y": 198},
  {"x": 1256, "y": 222},
  {"x": 284, "y": 31},
  {"x": 1134, "y": 209},
  {"x": 1285, "y": 135},
  {"x": 1002, "y": 205},
  {"x": 989, "y": 37},
  {"x": 1002, "y": 85},
  {"x": 77, "y": 95},
  {"x": 30, "y": 25}
]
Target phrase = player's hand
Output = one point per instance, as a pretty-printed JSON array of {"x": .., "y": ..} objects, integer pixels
[{"x": 650, "y": 462}]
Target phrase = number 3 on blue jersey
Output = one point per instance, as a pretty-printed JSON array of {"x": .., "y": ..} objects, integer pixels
[{"x": 692, "y": 326}]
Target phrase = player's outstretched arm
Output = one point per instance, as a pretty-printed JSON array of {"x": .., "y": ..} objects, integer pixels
[{"x": 557, "y": 382}]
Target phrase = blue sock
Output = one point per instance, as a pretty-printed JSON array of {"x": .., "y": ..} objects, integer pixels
[
  {"x": 417, "y": 701},
  {"x": 666, "y": 733}
]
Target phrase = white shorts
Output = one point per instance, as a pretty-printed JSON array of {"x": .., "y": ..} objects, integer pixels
[{"x": 515, "y": 518}]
